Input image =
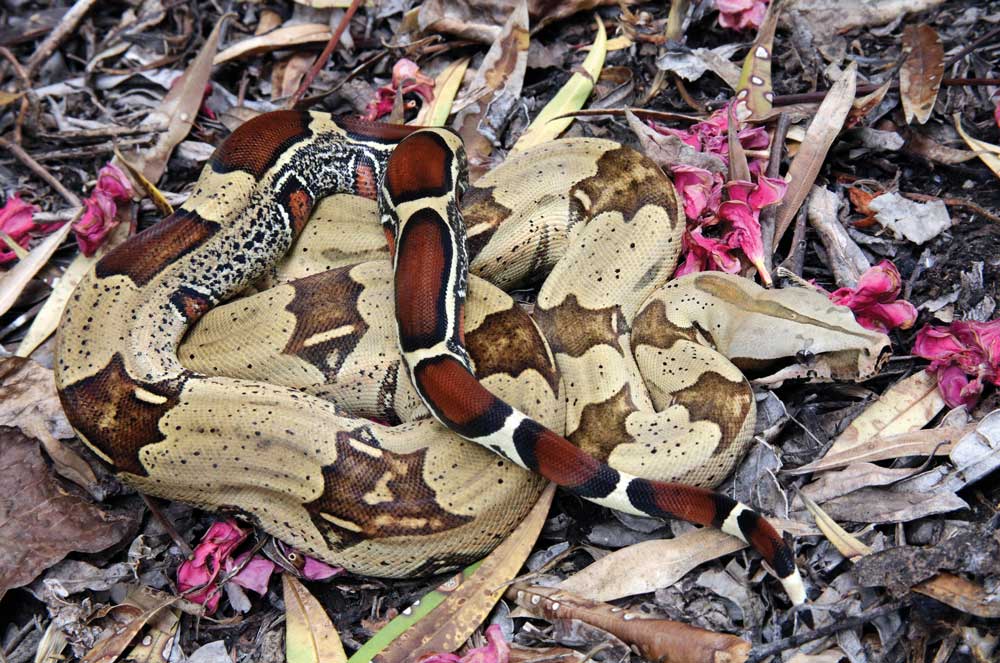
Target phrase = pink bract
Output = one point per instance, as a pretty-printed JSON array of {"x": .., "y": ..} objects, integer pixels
[
  {"x": 16, "y": 220},
  {"x": 101, "y": 209},
  {"x": 741, "y": 14},
  {"x": 965, "y": 356},
  {"x": 406, "y": 73},
  {"x": 495, "y": 651},
  {"x": 874, "y": 300},
  {"x": 207, "y": 561}
]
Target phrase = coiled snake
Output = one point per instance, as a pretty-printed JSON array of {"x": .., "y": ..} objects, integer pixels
[{"x": 236, "y": 416}]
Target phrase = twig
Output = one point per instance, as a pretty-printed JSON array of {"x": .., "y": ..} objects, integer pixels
[
  {"x": 954, "y": 202},
  {"x": 818, "y": 95},
  {"x": 41, "y": 171},
  {"x": 762, "y": 652},
  {"x": 154, "y": 508},
  {"x": 773, "y": 170},
  {"x": 66, "y": 27},
  {"x": 970, "y": 47},
  {"x": 325, "y": 55},
  {"x": 797, "y": 253}
]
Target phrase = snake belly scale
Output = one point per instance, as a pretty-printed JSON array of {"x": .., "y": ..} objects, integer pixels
[{"x": 201, "y": 419}]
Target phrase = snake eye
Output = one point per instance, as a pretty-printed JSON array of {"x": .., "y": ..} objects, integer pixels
[{"x": 805, "y": 357}]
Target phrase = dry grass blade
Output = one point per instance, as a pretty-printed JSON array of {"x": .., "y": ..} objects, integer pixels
[
  {"x": 309, "y": 635},
  {"x": 452, "y": 622},
  {"x": 819, "y": 137},
  {"x": 844, "y": 542},
  {"x": 552, "y": 120},
  {"x": 655, "y": 639},
  {"x": 436, "y": 112},
  {"x": 922, "y": 72}
]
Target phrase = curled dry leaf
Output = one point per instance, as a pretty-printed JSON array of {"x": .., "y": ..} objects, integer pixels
[
  {"x": 655, "y": 639},
  {"x": 754, "y": 90},
  {"x": 28, "y": 401},
  {"x": 819, "y": 137},
  {"x": 449, "y": 625},
  {"x": 309, "y": 635},
  {"x": 275, "y": 40},
  {"x": 480, "y": 20},
  {"x": 921, "y": 73},
  {"x": 987, "y": 152},
  {"x": 435, "y": 112},
  {"x": 31, "y": 501},
  {"x": 495, "y": 90}
]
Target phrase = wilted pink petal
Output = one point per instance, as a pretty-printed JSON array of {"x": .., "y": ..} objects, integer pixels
[
  {"x": 495, "y": 651},
  {"x": 964, "y": 356},
  {"x": 114, "y": 182},
  {"x": 314, "y": 569},
  {"x": 874, "y": 301},
  {"x": 407, "y": 74},
  {"x": 714, "y": 253},
  {"x": 768, "y": 191},
  {"x": 741, "y": 14},
  {"x": 255, "y": 575},
  {"x": 996, "y": 111},
  {"x": 101, "y": 210},
  {"x": 695, "y": 186},
  {"x": 207, "y": 560},
  {"x": 745, "y": 234},
  {"x": 16, "y": 219}
]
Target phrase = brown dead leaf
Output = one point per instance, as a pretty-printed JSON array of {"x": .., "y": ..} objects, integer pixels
[
  {"x": 921, "y": 73},
  {"x": 41, "y": 519},
  {"x": 288, "y": 73},
  {"x": 481, "y": 20},
  {"x": 655, "y": 639},
  {"x": 669, "y": 150},
  {"x": 112, "y": 645},
  {"x": 279, "y": 39},
  {"x": 450, "y": 624},
  {"x": 862, "y": 106},
  {"x": 859, "y": 201},
  {"x": 486, "y": 107},
  {"x": 823, "y": 130},
  {"x": 180, "y": 107},
  {"x": 926, "y": 147}
]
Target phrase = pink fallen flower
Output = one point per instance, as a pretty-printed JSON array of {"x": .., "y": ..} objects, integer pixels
[
  {"x": 875, "y": 300},
  {"x": 16, "y": 220},
  {"x": 495, "y": 651},
  {"x": 406, "y": 73},
  {"x": 965, "y": 356},
  {"x": 208, "y": 559},
  {"x": 741, "y": 14},
  {"x": 696, "y": 187},
  {"x": 254, "y": 576},
  {"x": 101, "y": 209}
]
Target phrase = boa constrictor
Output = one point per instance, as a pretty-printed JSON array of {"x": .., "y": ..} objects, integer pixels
[{"x": 236, "y": 416}]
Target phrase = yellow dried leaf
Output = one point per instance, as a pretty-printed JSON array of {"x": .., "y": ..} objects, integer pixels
[
  {"x": 987, "y": 152},
  {"x": 309, "y": 635},
  {"x": 435, "y": 113},
  {"x": 571, "y": 97},
  {"x": 844, "y": 542},
  {"x": 282, "y": 38}
]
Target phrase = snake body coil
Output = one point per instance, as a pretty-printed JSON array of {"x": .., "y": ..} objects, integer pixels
[{"x": 235, "y": 416}]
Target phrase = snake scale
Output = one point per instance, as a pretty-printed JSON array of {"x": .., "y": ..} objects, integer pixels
[{"x": 305, "y": 405}]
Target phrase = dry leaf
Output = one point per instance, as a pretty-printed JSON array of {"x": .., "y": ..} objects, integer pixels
[
  {"x": 667, "y": 150},
  {"x": 279, "y": 39},
  {"x": 754, "y": 91},
  {"x": 480, "y": 20},
  {"x": 450, "y": 624},
  {"x": 655, "y": 639},
  {"x": 179, "y": 108},
  {"x": 921, "y": 73},
  {"x": 110, "y": 647},
  {"x": 40, "y": 520},
  {"x": 915, "y": 221},
  {"x": 28, "y": 401},
  {"x": 288, "y": 73},
  {"x": 906, "y": 406},
  {"x": 823, "y": 130},
  {"x": 493, "y": 93},
  {"x": 928, "y": 148},
  {"x": 649, "y": 565},
  {"x": 309, "y": 635},
  {"x": 17, "y": 277}
]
